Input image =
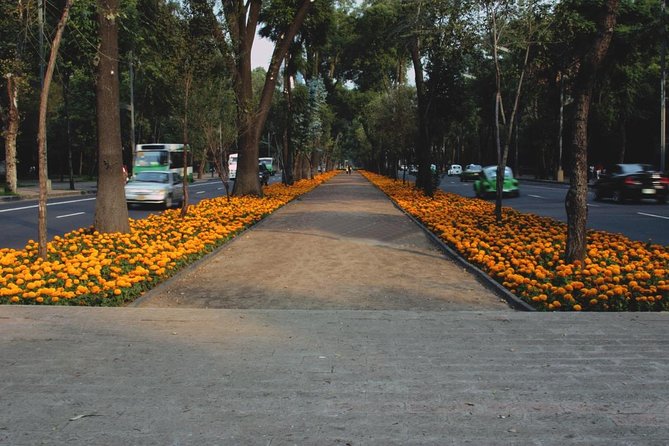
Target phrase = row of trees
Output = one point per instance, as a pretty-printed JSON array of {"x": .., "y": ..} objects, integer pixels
[
  {"x": 185, "y": 65},
  {"x": 378, "y": 82}
]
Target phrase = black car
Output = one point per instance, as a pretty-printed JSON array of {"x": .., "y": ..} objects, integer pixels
[{"x": 632, "y": 182}]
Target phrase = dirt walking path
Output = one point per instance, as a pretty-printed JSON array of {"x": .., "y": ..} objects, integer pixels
[{"x": 342, "y": 246}]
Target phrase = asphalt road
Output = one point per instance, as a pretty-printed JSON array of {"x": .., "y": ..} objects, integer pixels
[
  {"x": 18, "y": 219},
  {"x": 642, "y": 221},
  {"x": 639, "y": 221}
]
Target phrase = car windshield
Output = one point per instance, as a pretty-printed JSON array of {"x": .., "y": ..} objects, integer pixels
[
  {"x": 474, "y": 168},
  {"x": 153, "y": 177},
  {"x": 491, "y": 172}
]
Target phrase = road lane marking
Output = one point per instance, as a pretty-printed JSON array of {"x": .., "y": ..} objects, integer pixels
[
  {"x": 70, "y": 215},
  {"x": 534, "y": 196},
  {"x": 653, "y": 215},
  {"x": 206, "y": 183},
  {"x": 200, "y": 192},
  {"x": 48, "y": 204}
]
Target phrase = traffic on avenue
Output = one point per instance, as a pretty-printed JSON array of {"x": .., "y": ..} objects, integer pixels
[{"x": 645, "y": 221}]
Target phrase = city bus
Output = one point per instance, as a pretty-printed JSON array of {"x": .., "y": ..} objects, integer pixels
[{"x": 162, "y": 157}]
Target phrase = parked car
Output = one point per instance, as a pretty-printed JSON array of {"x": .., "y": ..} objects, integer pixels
[
  {"x": 413, "y": 169},
  {"x": 155, "y": 187},
  {"x": 471, "y": 172},
  {"x": 455, "y": 169},
  {"x": 486, "y": 184},
  {"x": 632, "y": 182}
]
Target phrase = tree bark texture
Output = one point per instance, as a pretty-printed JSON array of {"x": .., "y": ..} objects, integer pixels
[
  {"x": 111, "y": 211},
  {"x": 11, "y": 132},
  {"x": 576, "y": 198},
  {"x": 43, "y": 171}
]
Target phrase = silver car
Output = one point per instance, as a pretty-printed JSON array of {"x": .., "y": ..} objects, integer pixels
[{"x": 155, "y": 187}]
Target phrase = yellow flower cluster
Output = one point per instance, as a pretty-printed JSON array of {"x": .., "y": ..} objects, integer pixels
[
  {"x": 85, "y": 267},
  {"x": 524, "y": 254}
]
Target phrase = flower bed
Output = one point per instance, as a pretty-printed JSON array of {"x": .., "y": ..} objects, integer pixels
[
  {"x": 524, "y": 252},
  {"x": 85, "y": 267}
]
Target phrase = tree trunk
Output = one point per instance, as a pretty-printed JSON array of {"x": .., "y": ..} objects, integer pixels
[
  {"x": 43, "y": 171},
  {"x": 187, "y": 84},
  {"x": 577, "y": 195},
  {"x": 111, "y": 211},
  {"x": 12, "y": 132},
  {"x": 623, "y": 140},
  {"x": 288, "y": 151},
  {"x": 68, "y": 129},
  {"x": 424, "y": 177},
  {"x": 251, "y": 118}
]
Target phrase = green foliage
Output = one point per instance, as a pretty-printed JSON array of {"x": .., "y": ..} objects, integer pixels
[{"x": 352, "y": 58}]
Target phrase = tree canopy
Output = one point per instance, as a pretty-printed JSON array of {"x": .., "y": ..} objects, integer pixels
[{"x": 355, "y": 95}]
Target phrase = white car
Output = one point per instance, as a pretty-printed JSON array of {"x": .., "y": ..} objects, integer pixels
[
  {"x": 455, "y": 169},
  {"x": 155, "y": 187}
]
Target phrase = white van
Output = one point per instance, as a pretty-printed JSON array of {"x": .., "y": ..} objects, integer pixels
[{"x": 232, "y": 166}]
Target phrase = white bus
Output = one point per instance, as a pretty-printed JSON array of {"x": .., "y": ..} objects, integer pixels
[
  {"x": 162, "y": 157},
  {"x": 232, "y": 166}
]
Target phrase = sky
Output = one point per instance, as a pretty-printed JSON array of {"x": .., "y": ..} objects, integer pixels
[{"x": 261, "y": 53}]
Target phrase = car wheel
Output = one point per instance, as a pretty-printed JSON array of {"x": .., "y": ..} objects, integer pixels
[
  {"x": 617, "y": 196},
  {"x": 662, "y": 199}
]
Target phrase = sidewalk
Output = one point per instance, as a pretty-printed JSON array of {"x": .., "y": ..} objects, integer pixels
[
  {"x": 29, "y": 190},
  {"x": 232, "y": 366}
]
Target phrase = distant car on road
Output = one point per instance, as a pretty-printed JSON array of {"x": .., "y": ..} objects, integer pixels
[
  {"x": 632, "y": 182},
  {"x": 413, "y": 169},
  {"x": 471, "y": 172},
  {"x": 486, "y": 184},
  {"x": 455, "y": 169},
  {"x": 155, "y": 187},
  {"x": 268, "y": 162}
]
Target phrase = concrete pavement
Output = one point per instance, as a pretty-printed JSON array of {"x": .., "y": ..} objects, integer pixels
[{"x": 342, "y": 376}]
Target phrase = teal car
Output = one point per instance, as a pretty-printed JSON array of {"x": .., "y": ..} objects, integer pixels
[{"x": 486, "y": 184}]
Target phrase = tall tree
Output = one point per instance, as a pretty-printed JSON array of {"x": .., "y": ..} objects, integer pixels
[
  {"x": 577, "y": 195},
  {"x": 242, "y": 20},
  {"x": 504, "y": 127},
  {"x": 41, "y": 134},
  {"x": 111, "y": 212},
  {"x": 423, "y": 148},
  {"x": 13, "y": 29}
]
